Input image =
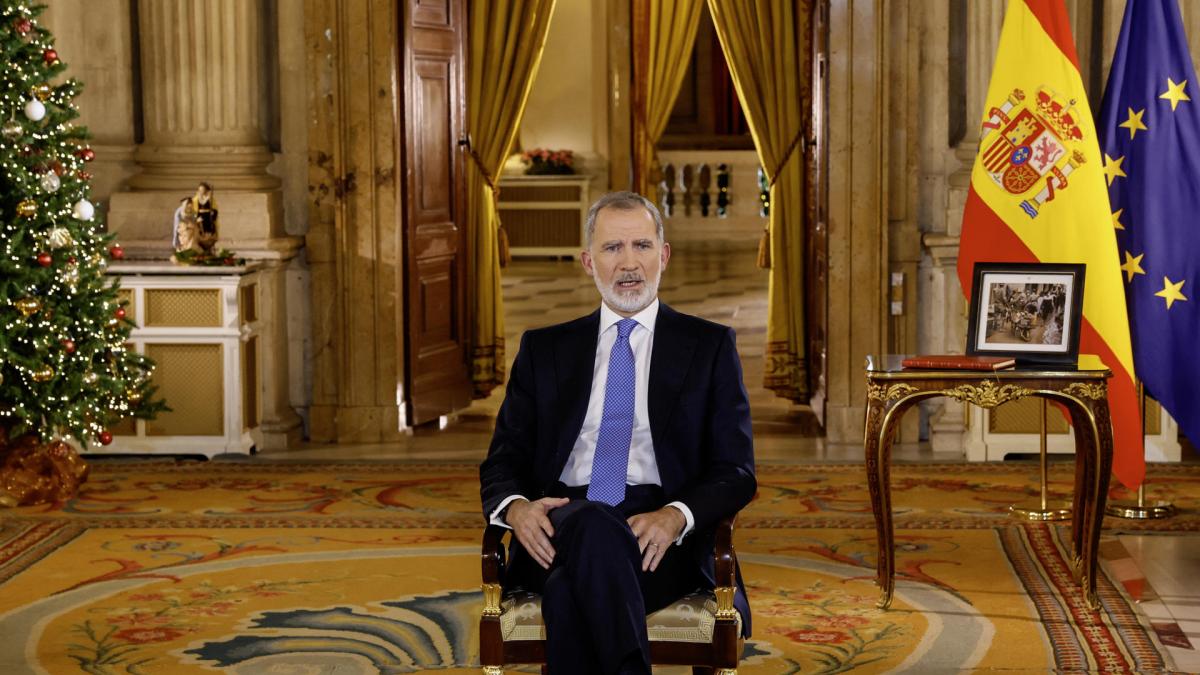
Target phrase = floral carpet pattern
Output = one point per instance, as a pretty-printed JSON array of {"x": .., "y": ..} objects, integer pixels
[{"x": 251, "y": 567}]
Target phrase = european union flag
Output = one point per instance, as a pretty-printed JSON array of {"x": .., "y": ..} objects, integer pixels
[{"x": 1150, "y": 136}]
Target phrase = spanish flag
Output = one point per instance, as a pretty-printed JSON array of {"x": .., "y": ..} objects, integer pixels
[{"x": 1039, "y": 194}]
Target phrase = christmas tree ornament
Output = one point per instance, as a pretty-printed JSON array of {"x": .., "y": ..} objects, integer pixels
[
  {"x": 28, "y": 306},
  {"x": 49, "y": 181},
  {"x": 35, "y": 110},
  {"x": 57, "y": 167},
  {"x": 44, "y": 259},
  {"x": 42, "y": 91},
  {"x": 59, "y": 237},
  {"x": 43, "y": 374},
  {"x": 105, "y": 438},
  {"x": 12, "y": 130},
  {"x": 120, "y": 313},
  {"x": 84, "y": 176},
  {"x": 134, "y": 396},
  {"x": 116, "y": 252},
  {"x": 27, "y": 208},
  {"x": 86, "y": 154},
  {"x": 50, "y": 57},
  {"x": 23, "y": 26},
  {"x": 83, "y": 210},
  {"x": 68, "y": 345},
  {"x": 70, "y": 276},
  {"x": 90, "y": 378}
]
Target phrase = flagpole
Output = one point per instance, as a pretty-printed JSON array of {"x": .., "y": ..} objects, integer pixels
[
  {"x": 1044, "y": 510},
  {"x": 1141, "y": 509}
]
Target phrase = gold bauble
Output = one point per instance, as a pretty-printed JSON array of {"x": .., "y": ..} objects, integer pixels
[
  {"x": 42, "y": 91},
  {"x": 43, "y": 374},
  {"x": 90, "y": 378},
  {"x": 28, "y": 306},
  {"x": 27, "y": 208},
  {"x": 134, "y": 396}
]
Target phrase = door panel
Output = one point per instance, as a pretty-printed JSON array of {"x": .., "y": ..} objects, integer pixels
[
  {"x": 432, "y": 117},
  {"x": 816, "y": 231}
]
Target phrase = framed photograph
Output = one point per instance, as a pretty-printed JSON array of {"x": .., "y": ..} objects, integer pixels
[{"x": 1029, "y": 311}]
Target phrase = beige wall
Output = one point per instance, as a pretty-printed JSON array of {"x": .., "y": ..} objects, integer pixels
[{"x": 568, "y": 104}]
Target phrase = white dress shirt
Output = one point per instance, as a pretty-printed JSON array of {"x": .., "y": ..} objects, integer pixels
[{"x": 643, "y": 469}]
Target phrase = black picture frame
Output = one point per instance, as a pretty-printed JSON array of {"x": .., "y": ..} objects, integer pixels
[{"x": 1028, "y": 311}]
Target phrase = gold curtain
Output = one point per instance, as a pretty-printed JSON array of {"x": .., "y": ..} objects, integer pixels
[
  {"x": 506, "y": 42},
  {"x": 663, "y": 34},
  {"x": 766, "y": 44}
]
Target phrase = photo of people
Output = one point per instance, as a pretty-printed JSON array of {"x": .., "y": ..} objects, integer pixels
[{"x": 1025, "y": 312}]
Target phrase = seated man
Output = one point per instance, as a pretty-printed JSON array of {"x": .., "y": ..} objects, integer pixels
[{"x": 624, "y": 437}]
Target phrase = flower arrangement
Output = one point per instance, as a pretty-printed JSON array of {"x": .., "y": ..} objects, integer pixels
[{"x": 539, "y": 162}]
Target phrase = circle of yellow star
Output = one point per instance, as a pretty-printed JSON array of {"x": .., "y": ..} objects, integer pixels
[
  {"x": 1175, "y": 93},
  {"x": 1171, "y": 292},
  {"x": 1133, "y": 265},
  {"x": 1117, "y": 219},
  {"x": 1112, "y": 168},
  {"x": 1134, "y": 124}
]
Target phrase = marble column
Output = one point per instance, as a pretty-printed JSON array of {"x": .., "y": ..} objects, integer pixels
[
  {"x": 203, "y": 85},
  {"x": 947, "y": 332},
  {"x": 201, "y": 94}
]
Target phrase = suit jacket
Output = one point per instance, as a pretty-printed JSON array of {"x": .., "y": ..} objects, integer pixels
[{"x": 699, "y": 420}]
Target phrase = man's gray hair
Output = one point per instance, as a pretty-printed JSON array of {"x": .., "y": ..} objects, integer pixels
[{"x": 622, "y": 201}]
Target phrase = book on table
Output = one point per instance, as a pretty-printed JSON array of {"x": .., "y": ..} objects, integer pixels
[{"x": 958, "y": 362}]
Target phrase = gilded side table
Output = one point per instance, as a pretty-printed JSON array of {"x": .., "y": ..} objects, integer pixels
[{"x": 892, "y": 390}]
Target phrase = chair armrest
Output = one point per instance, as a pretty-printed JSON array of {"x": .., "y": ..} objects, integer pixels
[
  {"x": 726, "y": 559},
  {"x": 493, "y": 554}
]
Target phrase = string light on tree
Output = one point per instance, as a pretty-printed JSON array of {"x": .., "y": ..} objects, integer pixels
[{"x": 64, "y": 370}]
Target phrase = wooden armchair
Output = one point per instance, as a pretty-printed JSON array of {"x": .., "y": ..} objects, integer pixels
[{"x": 702, "y": 630}]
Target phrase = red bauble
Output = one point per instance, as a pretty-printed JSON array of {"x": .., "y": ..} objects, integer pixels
[
  {"x": 50, "y": 56},
  {"x": 87, "y": 154},
  {"x": 120, "y": 313},
  {"x": 68, "y": 346},
  {"x": 57, "y": 167},
  {"x": 23, "y": 26},
  {"x": 44, "y": 259},
  {"x": 71, "y": 260},
  {"x": 84, "y": 176},
  {"x": 105, "y": 438},
  {"x": 116, "y": 252}
]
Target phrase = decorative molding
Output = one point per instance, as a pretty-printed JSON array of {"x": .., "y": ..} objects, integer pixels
[
  {"x": 491, "y": 599},
  {"x": 988, "y": 394},
  {"x": 1097, "y": 391}
]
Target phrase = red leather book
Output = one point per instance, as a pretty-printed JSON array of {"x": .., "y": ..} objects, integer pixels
[{"x": 958, "y": 362}]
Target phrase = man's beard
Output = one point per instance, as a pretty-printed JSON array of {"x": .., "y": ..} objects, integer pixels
[{"x": 629, "y": 301}]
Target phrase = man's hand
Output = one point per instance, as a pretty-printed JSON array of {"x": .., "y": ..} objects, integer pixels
[
  {"x": 655, "y": 531},
  {"x": 532, "y": 527}
]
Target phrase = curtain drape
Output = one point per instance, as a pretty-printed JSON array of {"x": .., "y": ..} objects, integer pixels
[
  {"x": 506, "y": 42},
  {"x": 766, "y": 43},
  {"x": 663, "y": 34}
]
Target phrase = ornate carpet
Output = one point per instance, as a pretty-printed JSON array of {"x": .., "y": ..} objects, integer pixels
[{"x": 253, "y": 567}]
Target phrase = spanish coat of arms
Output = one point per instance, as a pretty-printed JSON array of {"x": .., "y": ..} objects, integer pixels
[{"x": 1026, "y": 147}]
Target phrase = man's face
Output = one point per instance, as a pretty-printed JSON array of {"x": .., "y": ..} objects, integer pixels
[{"x": 626, "y": 259}]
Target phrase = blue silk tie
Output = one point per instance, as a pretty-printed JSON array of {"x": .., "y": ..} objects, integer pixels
[{"x": 610, "y": 464}]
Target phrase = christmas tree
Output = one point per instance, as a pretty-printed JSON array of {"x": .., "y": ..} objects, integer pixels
[{"x": 65, "y": 371}]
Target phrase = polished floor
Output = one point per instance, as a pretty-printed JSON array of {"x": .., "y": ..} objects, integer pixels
[{"x": 1158, "y": 570}]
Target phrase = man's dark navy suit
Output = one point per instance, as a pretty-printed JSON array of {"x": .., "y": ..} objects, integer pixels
[{"x": 699, "y": 424}]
